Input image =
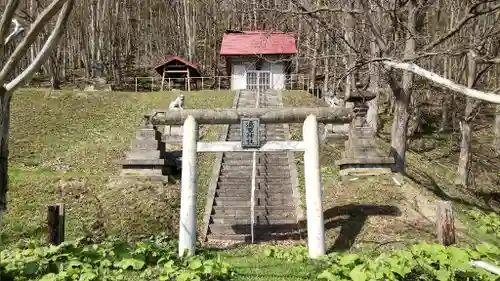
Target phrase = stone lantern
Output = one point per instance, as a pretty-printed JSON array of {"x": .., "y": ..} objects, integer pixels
[{"x": 362, "y": 156}]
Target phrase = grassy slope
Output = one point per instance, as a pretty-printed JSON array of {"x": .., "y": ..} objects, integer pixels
[
  {"x": 349, "y": 227},
  {"x": 63, "y": 148},
  {"x": 354, "y": 228},
  {"x": 365, "y": 213}
]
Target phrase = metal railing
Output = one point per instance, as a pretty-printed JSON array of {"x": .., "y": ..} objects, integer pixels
[
  {"x": 254, "y": 175},
  {"x": 153, "y": 84},
  {"x": 192, "y": 83}
]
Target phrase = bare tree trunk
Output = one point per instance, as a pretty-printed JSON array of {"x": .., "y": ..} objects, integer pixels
[
  {"x": 464, "y": 160},
  {"x": 5, "y": 98},
  {"x": 326, "y": 71},
  {"x": 93, "y": 35},
  {"x": 254, "y": 14},
  {"x": 117, "y": 43},
  {"x": 187, "y": 30},
  {"x": 374, "y": 87},
  {"x": 314, "y": 62},
  {"x": 496, "y": 140},
  {"x": 445, "y": 105},
  {"x": 54, "y": 67},
  {"x": 299, "y": 41},
  {"x": 403, "y": 95},
  {"x": 349, "y": 59},
  {"x": 33, "y": 47}
]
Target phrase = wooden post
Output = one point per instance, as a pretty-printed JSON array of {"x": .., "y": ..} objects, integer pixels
[
  {"x": 136, "y": 84},
  {"x": 189, "y": 82},
  {"x": 169, "y": 84},
  {"x": 219, "y": 82},
  {"x": 314, "y": 196},
  {"x": 162, "y": 80},
  {"x": 187, "y": 231},
  {"x": 202, "y": 83},
  {"x": 152, "y": 84},
  {"x": 445, "y": 223},
  {"x": 55, "y": 223}
]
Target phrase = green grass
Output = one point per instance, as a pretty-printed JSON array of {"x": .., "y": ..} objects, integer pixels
[
  {"x": 366, "y": 213},
  {"x": 415, "y": 199},
  {"x": 64, "y": 146},
  {"x": 251, "y": 264}
]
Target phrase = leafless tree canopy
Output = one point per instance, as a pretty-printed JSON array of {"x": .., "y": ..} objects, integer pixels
[{"x": 411, "y": 53}]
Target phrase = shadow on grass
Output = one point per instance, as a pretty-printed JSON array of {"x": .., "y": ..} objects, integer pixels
[
  {"x": 350, "y": 218},
  {"x": 430, "y": 184},
  {"x": 491, "y": 199},
  {"x": 353, "y": 224}
]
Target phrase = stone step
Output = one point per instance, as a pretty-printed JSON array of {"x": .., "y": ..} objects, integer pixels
[
  {"x": 245, "y": 202},
  {"x": 259, "y": 220},
  {"x": 259, "y": 159},
  {"x": 263, "y": 186},
  {"x": 245, "y": 154},
  {"x": 146, "y": 144},
  {"x": 245, "y": 177},
  {"x": 245, "y": 238},
  {"x": 245, "y": 193},
  {"x": 141, "y": 178},
  {"x": 259, "y": 167},
  {"x": 143, "y": 162},
  {"x": 143, "y": 154},
  {"x": 143, "y": 134},
  {"x": 259, "y": 210},
  {"x": 282, "y": 162},
  {"x": 263, "y": 138},
  {"x": 269, "y": 171},
  {"x": 262, "y": 130},
  {"x": 141, "y": 172},
  {"x": 279, "y": 168},
  {"x": 258, "y": 229}
]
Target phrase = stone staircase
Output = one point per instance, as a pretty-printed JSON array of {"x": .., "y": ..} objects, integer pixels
[{"x": 275, "y": 206}]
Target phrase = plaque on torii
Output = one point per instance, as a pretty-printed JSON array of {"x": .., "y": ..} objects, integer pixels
[{"x": 250, "y": 133}]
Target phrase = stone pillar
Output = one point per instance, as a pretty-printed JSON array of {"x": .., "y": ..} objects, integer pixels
[
  {"x": 172, "y": 134},
  {"x": 362, "y": 156},
  {"x": 144, "y": 159},
  {"x": 337, "y": 133}
]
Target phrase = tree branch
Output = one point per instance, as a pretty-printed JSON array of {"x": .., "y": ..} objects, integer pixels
[
  {"x": 6, "y": 21},
  {"x": 17, "y": 30},
  {"x": 307, "y": 11},
  {"x": 326, "y": 25},
  {"x": 356, "y": 66},
  {"x": 47, "y": 48},
  {"x": 28, "y": 40},
  {"x": 473, "y": 13},
  {"x": 375, "y": 30},
  {"x": 443, "y": 82}
]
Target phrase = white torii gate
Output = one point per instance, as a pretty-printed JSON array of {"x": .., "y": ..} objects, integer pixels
[{"x": 310, "y": 146}]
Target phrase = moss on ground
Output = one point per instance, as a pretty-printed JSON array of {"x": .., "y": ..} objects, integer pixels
[{"x": 64, "y": 146}]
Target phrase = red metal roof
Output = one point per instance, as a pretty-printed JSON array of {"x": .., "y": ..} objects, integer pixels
[
  {"x": 258, "y": 43},
  {"x": 168, "y": 59}
]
